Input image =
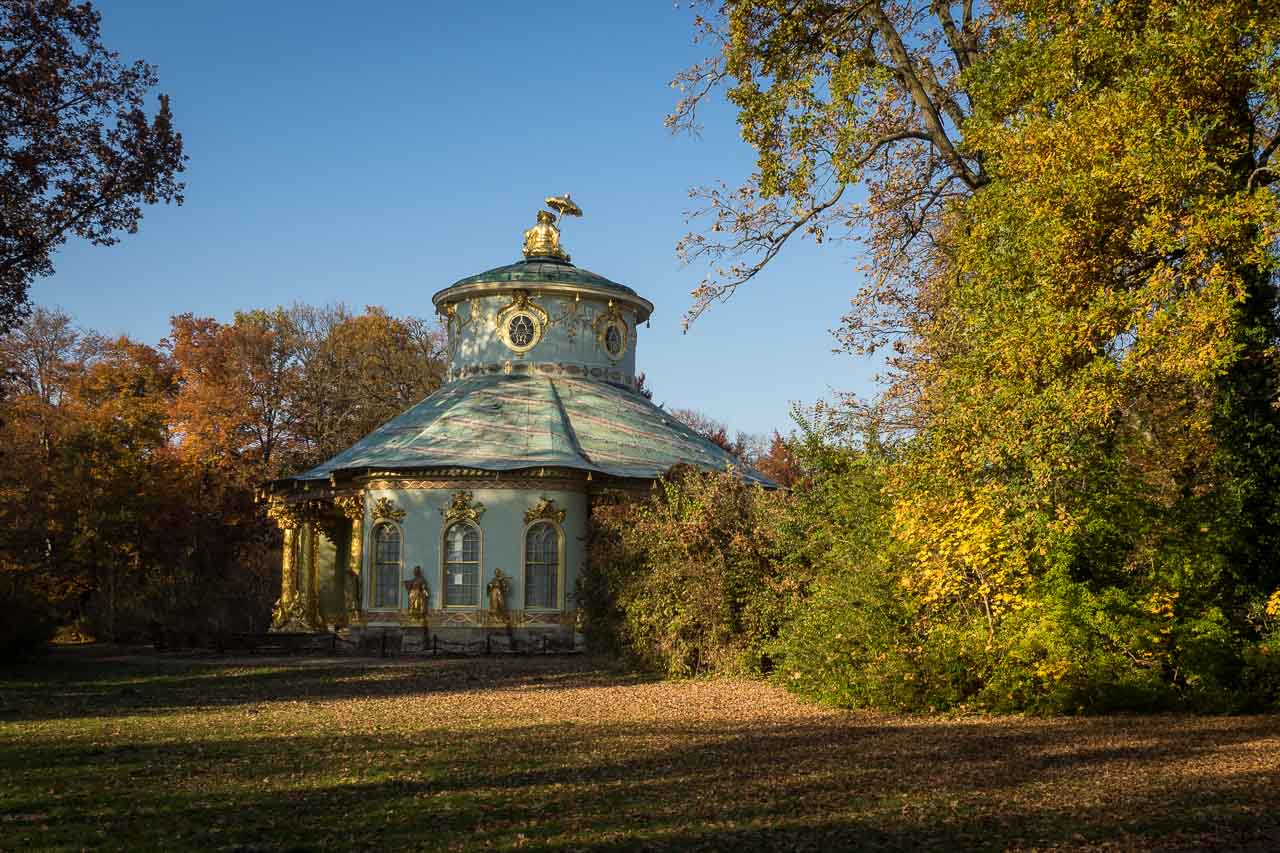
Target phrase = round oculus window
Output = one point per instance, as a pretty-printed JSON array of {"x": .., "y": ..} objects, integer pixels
[
  {"x": 521, "y": 330},
  {"x": 613, "y": 340}
]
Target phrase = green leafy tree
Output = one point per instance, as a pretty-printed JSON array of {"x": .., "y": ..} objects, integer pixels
[{"x": 1082, "y": 312}]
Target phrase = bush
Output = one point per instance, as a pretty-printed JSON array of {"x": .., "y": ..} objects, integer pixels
[
  {"x": 28, "y": 623},
  {"x": 685, "y": 582}
]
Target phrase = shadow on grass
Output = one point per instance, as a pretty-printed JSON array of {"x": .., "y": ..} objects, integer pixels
[
  {"x": 811, "y": 787},
  {"x": 688, "y": 778},
  {"x": 81, "y": 683}
]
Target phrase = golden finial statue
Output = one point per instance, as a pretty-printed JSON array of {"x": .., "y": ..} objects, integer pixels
[{"x": 543, "y": 239}]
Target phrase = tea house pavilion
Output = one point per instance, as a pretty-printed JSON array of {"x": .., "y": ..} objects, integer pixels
[{"x": 467, "y": 513}]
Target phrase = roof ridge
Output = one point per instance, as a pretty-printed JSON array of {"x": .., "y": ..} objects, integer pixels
[{"x": 568, "y": 425}]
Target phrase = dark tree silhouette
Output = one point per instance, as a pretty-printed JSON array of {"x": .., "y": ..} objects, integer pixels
[{"x": 79, "y": 155}]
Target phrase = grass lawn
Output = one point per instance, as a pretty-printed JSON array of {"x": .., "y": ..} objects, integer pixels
[{"x": 153, "y": 752}]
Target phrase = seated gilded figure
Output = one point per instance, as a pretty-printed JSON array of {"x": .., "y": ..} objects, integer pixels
[{"x": 543, "y": 239}]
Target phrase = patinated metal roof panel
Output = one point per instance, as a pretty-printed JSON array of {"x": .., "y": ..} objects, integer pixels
[
  {"x": 503, "y": 423},
  {"x": 537, "y": 270}
]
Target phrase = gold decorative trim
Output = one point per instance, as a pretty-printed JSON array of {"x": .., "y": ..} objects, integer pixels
[
  {"x": 572, "y": 317},
  {"x": 462, "y": 508},
  {"x": 352, "y": 506},
  {"x": 551, "y": 369},
  {"x": 385, "y": 510},
  {"x": 529, "y": 483},
  {"x": 544, "y": 508},
  {"x": 521, "y": 306},
  {"x": 472, "y": 618},
  {"x": 527, "y": 618}
]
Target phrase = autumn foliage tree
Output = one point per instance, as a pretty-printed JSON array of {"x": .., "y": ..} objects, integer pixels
[
  {"x": 1071, "y": 217},
  {"x": 126, "y": 488}
]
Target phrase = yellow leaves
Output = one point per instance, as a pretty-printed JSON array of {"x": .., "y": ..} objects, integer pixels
[
  {"x": 1052, "y": 670},
  {"x": 965, "y": 549},
  {"x": 1162, "y": 604},
  {"x": 1273, "y": 604}
]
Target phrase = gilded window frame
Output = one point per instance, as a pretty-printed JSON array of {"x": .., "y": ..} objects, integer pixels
[
  {"x": 521, "y": 305},
  {"x": 524, "y": 566},
  {"x": 614, "y": 317},
  {"x": 372, "y": 584}
]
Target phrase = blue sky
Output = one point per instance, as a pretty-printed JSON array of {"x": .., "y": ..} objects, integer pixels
[{"x": 373, "y": 153}]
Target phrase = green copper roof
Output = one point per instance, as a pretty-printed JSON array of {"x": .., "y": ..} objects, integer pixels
[
  {"x": 550, "y": 270},
  {"x": 505, "y": 423}
]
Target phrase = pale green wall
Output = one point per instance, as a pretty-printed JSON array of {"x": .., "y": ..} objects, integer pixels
[
  {"x": 502, "y": 527},
  {"x": 480, "y": 343}
]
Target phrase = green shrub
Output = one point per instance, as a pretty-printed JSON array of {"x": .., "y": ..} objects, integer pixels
[{"x": 685, "y": 582}]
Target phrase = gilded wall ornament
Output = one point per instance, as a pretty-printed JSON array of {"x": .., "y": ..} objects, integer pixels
[
  {"x": 352, "y": 506},
  {"x": 462, "y": 508},
  {"x": 571, "y": 317},
  {"x": 544, "y": 508},
  {"x": 454, "y": 326},
  {"x": 612, "y": 334},
  {"x": 385, "y": 510},
  {"x": 521, "y": 323}
]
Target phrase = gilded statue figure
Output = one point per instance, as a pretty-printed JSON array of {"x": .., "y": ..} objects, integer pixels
[
  {"x": 498, "y": 589},
  {"x": 419, "y": 594},
  {"x": 543, "y": 239}
]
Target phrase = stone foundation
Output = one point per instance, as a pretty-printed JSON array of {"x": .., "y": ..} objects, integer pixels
[{"x": 456, "y": 639}]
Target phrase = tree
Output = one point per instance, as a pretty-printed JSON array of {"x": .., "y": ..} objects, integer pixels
[
  {"x": 1083, "y": 312},
  {"x": 742, "y": 446},
  {"x": 41, "y": 360},
  {"x": 358, "y": 372},
  {"x": 837, "y": 97},
  {"x": 1094, "y": 385},
  {"x": 236, "y": 407},
  {"x": 780, "y": 462},
  {"x": 78, "y": 154}
]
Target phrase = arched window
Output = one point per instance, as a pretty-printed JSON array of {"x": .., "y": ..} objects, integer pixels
[
  {"x": 462, "y": 565},
  {"x": 386, "y": 565},
  {"x": 542, "y": 566}
]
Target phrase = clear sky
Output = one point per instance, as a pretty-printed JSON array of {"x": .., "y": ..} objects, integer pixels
[{"x": 372, "y": 153}]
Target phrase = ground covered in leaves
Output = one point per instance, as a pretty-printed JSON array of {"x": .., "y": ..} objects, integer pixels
[{"x": 149, "y": 752}]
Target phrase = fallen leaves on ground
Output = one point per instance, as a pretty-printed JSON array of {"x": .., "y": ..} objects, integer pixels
[{"x": 150, "y": 752}]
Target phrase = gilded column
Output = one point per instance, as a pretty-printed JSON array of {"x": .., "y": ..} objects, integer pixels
[
  {"x": 352, "y": 507},
  {"x": 288, "y": 564},
  {"x": 312, "y": 575},
  {"x": 288, "y": 613}
]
